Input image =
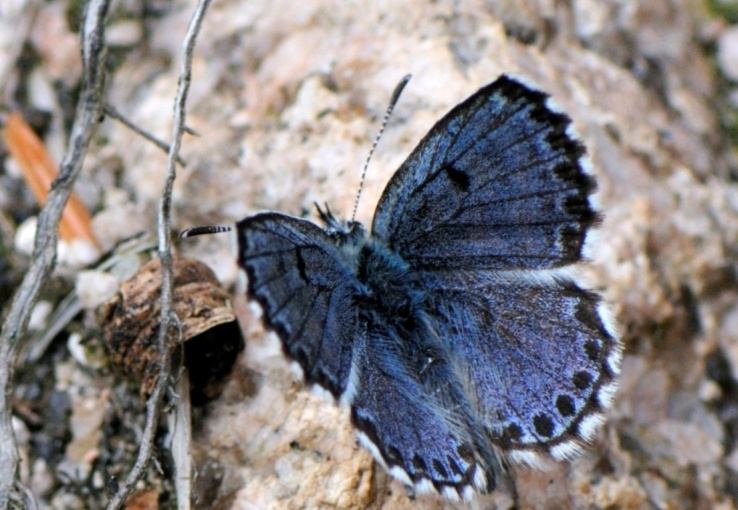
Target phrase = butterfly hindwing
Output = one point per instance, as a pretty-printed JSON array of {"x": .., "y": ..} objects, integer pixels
[
  {"x": 540, "y": 358},
  {"x": 413, "y": 415},
  {"x": 306, "y": 292},
  {"x": 498, "y": 183}
]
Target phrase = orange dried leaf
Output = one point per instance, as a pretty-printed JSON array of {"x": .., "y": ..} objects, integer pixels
[
  {"x": 147, "y": 499},
  {"x": 40, "y": 171}
]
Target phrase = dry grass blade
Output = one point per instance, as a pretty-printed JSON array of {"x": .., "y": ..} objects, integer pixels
[{"x": 39, "y": 172}]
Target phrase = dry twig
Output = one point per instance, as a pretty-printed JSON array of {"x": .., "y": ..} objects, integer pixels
[
  {"x": 180, "y": 423},
  {"x": 169, "y": 321},
  {"x": 113, "y": 112},
  {"x": 89, "y": 109}
]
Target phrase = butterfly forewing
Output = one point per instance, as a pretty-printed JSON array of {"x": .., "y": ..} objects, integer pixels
[
  {"x": 306, "y": 291},
  {"x": 496, "y": 184}
]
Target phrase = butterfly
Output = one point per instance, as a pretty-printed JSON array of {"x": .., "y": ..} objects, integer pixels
[{"x": 452, "y": 328}]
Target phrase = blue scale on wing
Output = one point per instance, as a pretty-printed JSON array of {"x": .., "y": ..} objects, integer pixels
[
  {"x": 296, "y": 274},
  {"x": 496, "y": 184},
  {"x": 509, "y": 335}
]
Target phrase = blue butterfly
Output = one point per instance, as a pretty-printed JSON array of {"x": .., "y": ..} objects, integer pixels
[{"x": 451, "y": 329}]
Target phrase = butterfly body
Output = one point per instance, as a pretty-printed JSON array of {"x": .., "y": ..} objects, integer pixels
[
  {"x": 450, "y": 328},
  {"x": 385, "y": 285}
]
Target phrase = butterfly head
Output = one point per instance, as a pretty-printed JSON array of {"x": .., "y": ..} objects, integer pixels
[{"x": 343, "y": 232}]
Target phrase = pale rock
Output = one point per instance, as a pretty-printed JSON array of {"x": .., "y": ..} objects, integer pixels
[
  {"x": 22, "y": 439},
  {"x": 623, "y": 492},
  {"x": 77, "y": 253},
  {"x": 686, "y": 443},
  {"x": 58, "y": 46},
  {"x": 124, "y": 33},
  {"x": 25, "y": 235},
  {"x": 732, "y": 460},
  {"x": 727, "y": 52},
  {"x": 39, "y": 315},
  {"x": 41, "y": 480},
  {"x": 94, "y": 287}
]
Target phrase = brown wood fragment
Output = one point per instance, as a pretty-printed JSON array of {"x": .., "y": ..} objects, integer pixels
[{"x": 209, "y": 328}]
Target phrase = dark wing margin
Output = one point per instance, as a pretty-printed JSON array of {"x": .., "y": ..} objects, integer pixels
[
  {"x": 501, "y": 182},
  {"x": 307, "y": 293}
]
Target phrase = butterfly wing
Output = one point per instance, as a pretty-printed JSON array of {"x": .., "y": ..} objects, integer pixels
[
  {"x": 307, "y": 293},
  {"x": 412, "y": 413},
  {"x": 539, "y": 359},
  {"x": 498, "y": 183},
  {"x": 493, "y": 198}
]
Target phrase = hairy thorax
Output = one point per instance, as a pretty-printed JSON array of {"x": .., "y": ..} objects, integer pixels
[{"x": 389, "y": 285}]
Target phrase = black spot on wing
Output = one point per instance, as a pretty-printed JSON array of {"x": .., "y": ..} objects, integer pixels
[
  {"x": 420, "y": 464},
  {"x": 582, "y": 380},
  {"x": 565, "y": 405},
  {"x": 544, "y": 425},
  {"x": 458, "y": 178},
  {"x": 301, "y": 266},
  {"x": 592, "y": 349},
  {"x": 511, "y": 433},
  {"x": 438, "y": 466}
]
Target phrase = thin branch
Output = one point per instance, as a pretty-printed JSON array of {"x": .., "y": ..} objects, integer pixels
[
  {"x": 180, "y": 423},
  {"x": 89, "y": 109},
  {"x": 169, "y": 323},
  {"x": 113, "y": 112},
  {"x": 29, "y": 500}
]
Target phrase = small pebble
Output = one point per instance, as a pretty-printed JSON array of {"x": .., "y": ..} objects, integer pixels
[
  {"x": 39, "y": 316},
  {"x": 727, "y": 53},
  {"x": 124, "y": 33},
  {"x": 77, "y": 253},
  {"x": 42, "y": 481},
  {"x": 24, "y": 236},
  {"x": 732, "y": 461},
  {"x": 93, "y": 288}
]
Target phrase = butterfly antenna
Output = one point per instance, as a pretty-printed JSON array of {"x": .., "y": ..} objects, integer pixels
[
  {"x": 207, "y": 229},
  {"x": 393, "y": 101}
]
